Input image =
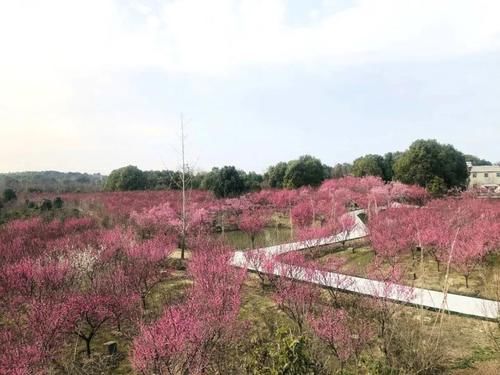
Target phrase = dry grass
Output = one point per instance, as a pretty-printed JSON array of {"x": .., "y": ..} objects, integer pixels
[
  {"x": 481, "y": 282},
  {"x": 468, "y": 346}
]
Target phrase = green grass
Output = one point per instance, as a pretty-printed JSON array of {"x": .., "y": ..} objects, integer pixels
[{"x": 479, "y": 354}]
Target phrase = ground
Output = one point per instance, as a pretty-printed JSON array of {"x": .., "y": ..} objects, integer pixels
[
  {"x": 469, "y": 347},
  {"x": 483, "y": 281}
]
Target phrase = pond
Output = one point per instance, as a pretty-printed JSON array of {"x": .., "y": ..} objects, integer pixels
[{"x": 269, "y": 237}]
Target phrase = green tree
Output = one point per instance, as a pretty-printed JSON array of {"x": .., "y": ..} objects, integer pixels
[
  {"x": 126, "y": 178},
  {"x": 58, "y": 203},
  {"x": 224, "y": 182},
  {"x": 306, "y": 171},
  {"x": 275, "y": 175},
  {"x": 389, "y": 161},
  {"x": 253, "y": 181},
  {"x": 476, "y": 161},
  {"x": 436, "y": 187},
  {"x": 341, "y": 170},
  {"x": 9, "y": 195},
  {"x": 369, "y": 165},
  {"x": 46, "y": 205},
  {"x": 427, "y": 159}
]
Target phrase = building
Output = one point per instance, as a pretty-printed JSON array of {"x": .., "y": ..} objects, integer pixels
[{"x": 485, "y": 176}]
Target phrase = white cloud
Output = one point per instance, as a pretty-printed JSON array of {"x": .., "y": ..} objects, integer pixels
[
  {"x": 49, "y": 48},
  {"x": 213, "y": 36}
]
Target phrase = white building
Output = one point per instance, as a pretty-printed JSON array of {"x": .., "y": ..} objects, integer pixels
[{"x": 485, "y": 176}]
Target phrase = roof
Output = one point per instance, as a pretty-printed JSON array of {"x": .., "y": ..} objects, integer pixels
[{"x": 485, "y": 168}]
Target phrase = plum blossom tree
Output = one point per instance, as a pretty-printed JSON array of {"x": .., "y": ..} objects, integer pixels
[
  {"x": 122, "y": 302},
  {"x": 303, "y": 214},
  {"x": 261, "y": 263},
  {"x": 86, "y": 314},
  {"x": 389, "y": 287},
  {"x": 144, "y": 265},
  {"x": 390, "y": 235},
  {"x": 343, "y": 334},
  {"x": 295, "y": 296},
  {"x": 166, "y": 219},
  {"x": 252, "y": 223},
  {"x": 330, "y": 273},
  {"x": 37, "y": 279},
  {"x": 19, "y": 356},
  {"x": 188, "y": 337},
  {"x": 345, "y": 226},
  {"x": 167, "y": 346}
]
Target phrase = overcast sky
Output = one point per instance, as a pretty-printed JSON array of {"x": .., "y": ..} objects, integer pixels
[{"x": 98, "y": 84}]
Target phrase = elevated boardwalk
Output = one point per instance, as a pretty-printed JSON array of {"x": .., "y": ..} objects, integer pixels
[{"x": 455, "y": 303}]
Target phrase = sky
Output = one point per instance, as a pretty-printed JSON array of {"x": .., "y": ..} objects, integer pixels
[{"x": 94, "y": 85}]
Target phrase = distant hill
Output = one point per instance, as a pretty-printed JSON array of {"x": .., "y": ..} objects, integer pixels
[{"x": 51, "y": 181}]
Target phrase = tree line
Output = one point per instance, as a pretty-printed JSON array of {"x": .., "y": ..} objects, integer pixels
[
  {"x": 427, "y": 163},
  {"x": 51, "y": 181},
  {"x": 226, "y": 181}
]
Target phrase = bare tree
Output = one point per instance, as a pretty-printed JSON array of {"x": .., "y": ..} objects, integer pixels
[{"x": 183, "y": 213}]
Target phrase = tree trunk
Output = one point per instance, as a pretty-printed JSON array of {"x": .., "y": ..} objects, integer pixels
[
  {"x": 87, "y": 346},
  {"x": 183, "y": 245},
  {"x": 466, "y": 281}
]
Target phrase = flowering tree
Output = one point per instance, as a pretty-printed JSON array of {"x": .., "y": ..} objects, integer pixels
[
  {"x": 390, "y": 234},
  {"x": 329, "y": 274},
  {"x": 252, "y": 223},
  {"x": 144, "y": 265},
  {"x": 86, "y": 314},
  {"x": 167, "y": 220},
  {"x": 388, "y": 287},
  {"x": 303, "y": 214},
  {"x": 37, "y": 279},
  {"x": 187, "y": 338},
  {"x": 121, "y": 300},
  {"x": 261, "y": 263},
  {"x": 345, "y": 226},
  {"x": 169, "y": 344},
  {"x": 19, "y": 355},
  {"x": 344, "y": 335},
  {"x": 294, "y": 297}
]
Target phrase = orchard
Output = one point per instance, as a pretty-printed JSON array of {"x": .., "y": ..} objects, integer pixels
[{"x": 157, "y": 280}]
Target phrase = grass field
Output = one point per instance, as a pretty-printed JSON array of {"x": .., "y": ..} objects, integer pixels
[
  {"x": 483, "y": 282},
  {"x": 469, "y": 348}
]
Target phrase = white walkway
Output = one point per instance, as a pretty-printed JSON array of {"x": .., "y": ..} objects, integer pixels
[{"x": 455, "y": 303}]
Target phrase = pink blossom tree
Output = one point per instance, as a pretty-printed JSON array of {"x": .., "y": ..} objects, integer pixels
[
  {"x": 260, "y": 262},
  {"x": 144, "y": 264},
  {"x": 86, "y": 315},
  {"x": 187, "y": 337},
  {"x": 295, "y": 296},
  {"x": 390, "y": 234},
  {"x": 252, "y": 223},
  {"x": 344, "y": 335}
]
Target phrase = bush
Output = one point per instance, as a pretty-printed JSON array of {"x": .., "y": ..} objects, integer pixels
[
  {"x": 58, "y": 203},
  {"x": 9, "y": 195},
  {"x": 411, "y": 350},
  {"x": 46, "y": 205},
  {"x": 284, "y": 353}
]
